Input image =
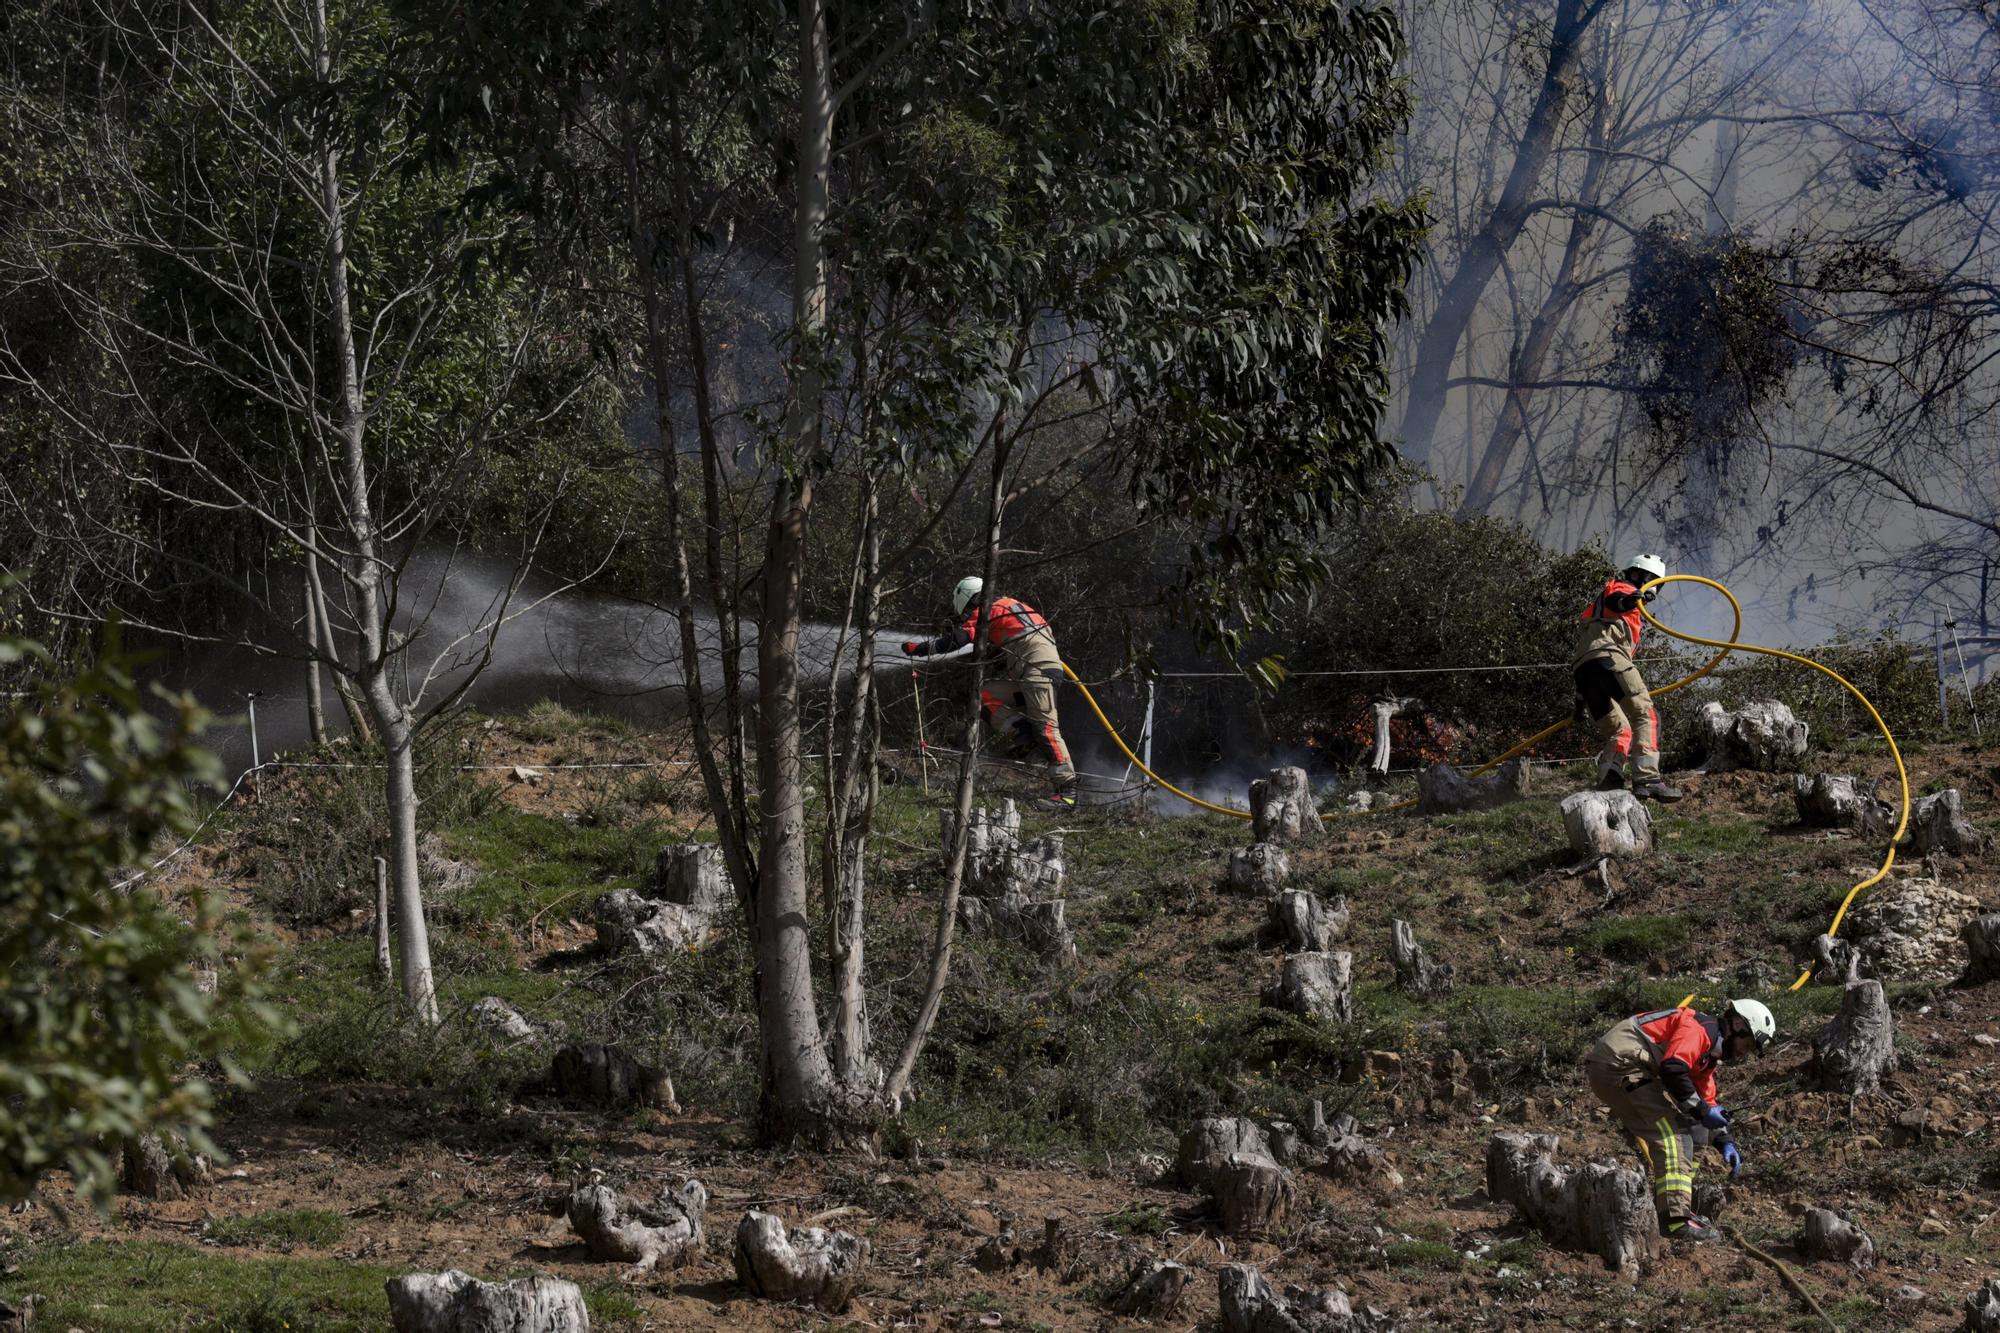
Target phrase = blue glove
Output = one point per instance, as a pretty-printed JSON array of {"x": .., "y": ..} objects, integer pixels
[
  {"x": 1715, "y": 1118},
  {"x": 1731, "y": 1155}
]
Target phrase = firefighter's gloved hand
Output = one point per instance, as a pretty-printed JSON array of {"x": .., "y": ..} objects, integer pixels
[
  {"x": 1715, "y": 1118},
  {"x": 910, "y": 647},
  {"x": 1650, "y": 594},
  {"x": 1734, "y": 1156}
]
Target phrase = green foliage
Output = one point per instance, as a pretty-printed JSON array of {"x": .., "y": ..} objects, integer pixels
[
  {"x": 313, "y": 1227},
  {"x": 1427, "y": 590},
  {"x": 1898, "y": 677},
  {"x": 100, "y": 1011}
]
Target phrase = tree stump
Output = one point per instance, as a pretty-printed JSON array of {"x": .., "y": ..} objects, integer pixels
[
  {"x": 1982, "y": 949},
  {"x": 1250, "y": 1305},
  {"x": 1599, "y": 1208},
  {"x": 1349, "y": 1157},
  {"x": 502, "y": 1021},
  {"x": 1281, "y": 807},
  {"x": 1305, "y": 924},
  {"x": 1764, "y": 736},
  {"x": 454, "y": 1302},
  {"x": 161, "y": 1166},
  {"x": 1229, "y": 1158},
  {"x": 1982, "y": 1308},
  {"x": 624, "y": 1230},
  {"x": 693, "y": 875},
  {"x": 1152, "y": 1290},
  {"x": 1834, "y": 800},
  {"x": 1042, "y": 926},
  {"x": 1858, "y": 1047},
  {"x": 629, "y": 923},
  {"x": 608, "y": 1077},
  {"x": 809, "y": 1264},
  {"x": 1315, "y": 985},
  {"x": 1835, "y": 1238},
  {"x": 1443, "y": 790},
  {"x": 997, "y": 861},
  {"x": 1416, "y": 971},
  {"x": 1259, "y": 869},
  {"x": 1607, "y": 823},
  {"x": 1836, "y": 962},
  {"x": 1938, "y": 823}
]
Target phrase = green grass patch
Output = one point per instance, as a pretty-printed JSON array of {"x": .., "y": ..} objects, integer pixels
[
  {"x": 313, "y": 1227},
  {"x": 1634, "y": 939},
  {"x": 155, "y": 1287},
  {"x": 1139, "y": 1220},
  {"x": 548, "y": 722},
  {"x": 1431, "y": 1256},
  {"x": 533, "y": 866},
  {"x": 1712, "y": 836}
]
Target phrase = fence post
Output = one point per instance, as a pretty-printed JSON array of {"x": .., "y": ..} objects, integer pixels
[
  {"x": 1964, "y": 685},
  {"x": 1944, "y": 695},
  {"x": 256, "y": 757}
]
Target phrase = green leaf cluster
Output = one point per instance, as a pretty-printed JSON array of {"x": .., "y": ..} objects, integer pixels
[{"x": 102, "y": 1010}]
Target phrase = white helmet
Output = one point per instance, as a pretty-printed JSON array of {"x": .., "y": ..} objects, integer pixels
[
  {"x": 966, "y": 590},
  {"x": 1763, "y": 1026},
  {"x": 1652, "y": 564}
]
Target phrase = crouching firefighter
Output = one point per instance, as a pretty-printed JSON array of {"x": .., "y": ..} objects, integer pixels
[
  {"x": 1021, "y": 706},
  {"x": 1610, "y": 692},
  {"x": 1656, "y": 1072}
]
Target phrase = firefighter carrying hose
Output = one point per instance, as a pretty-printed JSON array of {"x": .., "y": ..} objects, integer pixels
[
  {"x": 1020, "y": 707},
  {"x": 1610, "y": 691},
  {"x": 1656, "y": 1072}
]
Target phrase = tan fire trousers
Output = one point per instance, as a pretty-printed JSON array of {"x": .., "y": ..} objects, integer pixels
[
  {"x": 1026, "y": 710},
  {"x": 1665, "y": 1139},
  {"x": 1631, "y": 711}
]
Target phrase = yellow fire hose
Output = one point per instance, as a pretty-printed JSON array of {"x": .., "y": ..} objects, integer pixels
[{"x": 1725, "y": 647}]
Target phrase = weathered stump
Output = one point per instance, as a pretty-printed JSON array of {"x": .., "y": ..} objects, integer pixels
[
  {"x": 1938, "y": 823},
  {"x": 1042, "y": 926},
  {"x": 1305, "y": 924},
  {"x": 997, "y": 861},
  {"x": 1382, "y": 711},
  {"x": 1607, "y": 823},
  {"x": 500, "y": 1020},
  {"x": 1340, "y": 1149},
  {"x": 1982, "y": 949},
  {"x": 1416, "y": 971},
  {"x": 651, "y": 1235},
  {"x": 1315, "y": 985},
  {"x": 1443, "y": 790},
  {"x": 629, "y": 923},
  {"x": 1152, "y": 1290},
  {"x": 1858, "y": 1047},
  {"x": 1763, "y": 735},
  {"x": 1281, "y": 807},
  {"x": 1250, "y": 1305},
  {"x": 1259, "y": 869},
  {"x": 809, "y": 1264},
  {"x": 1834, "y": 800},
  {"x": 608, "y": 1076},
  {"x": 1598, "y": 1208},
  {"x": 161, "y": 1166},
  {"x": 693, "y": 875},
  {"x": 1982, "y": 1308},
  {"x": 1835, "y": 1238},
  {"x": 455, "y": 1302},
  {"x": 1229, "y": 1158},
  {"x": 1836, "y": 962}
]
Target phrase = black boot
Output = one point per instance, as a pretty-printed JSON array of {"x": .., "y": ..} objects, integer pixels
[{"x": 1652, "y": 789}]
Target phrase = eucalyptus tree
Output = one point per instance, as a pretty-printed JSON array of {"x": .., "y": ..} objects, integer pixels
[
  {"x": 1020, "y": 245},
  {"x": 305, "y": 351}
]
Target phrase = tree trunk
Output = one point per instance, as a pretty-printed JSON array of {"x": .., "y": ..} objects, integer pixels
[
  {"x": 1282, "y": 808},
  {"x": 849, "y": 820},
  {"x": 1305, "y": 924},
  {"x": 315, "y": 700},
  {"x": 1443, "y": 790},
  {"x": 1512, "y": 423},
  {"x": 1315, "y": 985},
  {"x": 1982, "y": 949},
  {"x": 1459, "y": 300},
  {"x": 413, "y": 944},
  {"x": 385, "y": 966}
]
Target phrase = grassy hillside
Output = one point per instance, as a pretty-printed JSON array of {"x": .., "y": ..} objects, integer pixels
[{"x": 365, "y": 1148}]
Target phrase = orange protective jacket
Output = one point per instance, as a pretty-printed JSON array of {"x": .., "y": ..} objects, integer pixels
[
  {"x": 1014, "y": 627},
  {"x": 1686, "y": 1046},
  {"x": 1611, "y": 623}
]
